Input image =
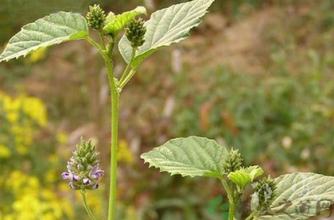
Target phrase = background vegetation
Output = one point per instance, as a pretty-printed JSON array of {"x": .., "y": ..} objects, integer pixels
[{"x": 257, "y": 75}]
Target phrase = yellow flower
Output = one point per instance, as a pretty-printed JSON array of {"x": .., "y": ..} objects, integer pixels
[
  {"x": 35, "y": 108},
  {"x": 62, "y": 138},
  {"x": 32, "y": 201},
  {"x": 124, "y": 153},
  {"x": 4, "y": 151}
]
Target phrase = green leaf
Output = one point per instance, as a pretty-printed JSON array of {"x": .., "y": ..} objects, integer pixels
[
  {"x": 116, "y": 23},
  {"x": 301, "y": 196},
  {"x": 166, "y": 26},
  {"x": 191, "y": 156},
  {"x": 53, "y": 29},
  {"x": 245, "y": 176}
]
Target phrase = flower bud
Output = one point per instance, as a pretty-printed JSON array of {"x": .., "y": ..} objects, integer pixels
[
  {"x": 135, "y": 32},
  {"x": 264, "y": 193},
  {"x": 96, "y": 17},
  {"x": 83, "y": 170},
  {"x": 233, "y": 162}
]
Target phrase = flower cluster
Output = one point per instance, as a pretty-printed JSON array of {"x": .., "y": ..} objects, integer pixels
[
  {"x": 29, "y": 199},
  {"x": 20, "y": 118},
  {"x": 234, "y": 161},
  {"x": 135, "y": 32},
  {"x": 96, "y": 17},
  {"x": 83, "y": 172}
]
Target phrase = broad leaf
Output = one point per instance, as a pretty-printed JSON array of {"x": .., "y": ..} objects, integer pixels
[
  {"x": 53, "y": 29},
  {"x": 301, "y": 196},
  {"x": 191, "y": 156},
  {"x": 245, "y": 176},
  {"x": 166, "y": 26},
  {"x": 118, "y": 22}
]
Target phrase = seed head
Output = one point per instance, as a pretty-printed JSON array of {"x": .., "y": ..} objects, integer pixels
[
  {"x": 135, "y": 32},
  {"x": 234, "y": 161},
  {"x": 96, "y": 17},
  {"x": 83, "y": 172}
]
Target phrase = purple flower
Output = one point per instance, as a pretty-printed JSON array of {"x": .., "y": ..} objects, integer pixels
[
  {"x": 75, "y": 177},
  {"x": 96, "y": 173},
  {"x": 66, "y": 175},
  {"x": 86, "y": 181}
]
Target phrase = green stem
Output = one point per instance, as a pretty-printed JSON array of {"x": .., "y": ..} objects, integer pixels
[
  {"x": 229, "y": 192},
  {"x": 89, "y": 212},
  {"x": 113, "y": 160},
  {"x": 127, "y": 79},
  {"x": 251, "y": 216},
  {"x": 102, "y": 40},
  {"x": 128, "y": 67},
  {"x": 115, "y": 94}
]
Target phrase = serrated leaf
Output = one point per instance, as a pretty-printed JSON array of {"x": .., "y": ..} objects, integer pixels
[
  {"x": 166, "y": 26},
  {"x": 245, "y": 176},
  {"x": 118, "y": 22},
  {"x": 301, "y": 196},
  {"x": 191, "y": 156},
  {"x": 52, "y": 29}
]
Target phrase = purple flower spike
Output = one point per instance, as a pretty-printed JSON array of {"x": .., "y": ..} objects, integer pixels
[{"x": 83, "y": 170}]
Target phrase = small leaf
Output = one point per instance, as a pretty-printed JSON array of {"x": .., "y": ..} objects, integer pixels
[
  {"x": 191, "y": 156},
  {"x": 53, "y": 29},
  {"x": 116, "y": 23},
  {"x": 245, "y": 176},
  {"x": 166, "y": 26},
  {"x": 301, "y": 196},
  {"x": 254, "y": 172}
]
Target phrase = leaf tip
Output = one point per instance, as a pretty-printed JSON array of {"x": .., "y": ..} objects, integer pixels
[{"x": 141, "y": 10}]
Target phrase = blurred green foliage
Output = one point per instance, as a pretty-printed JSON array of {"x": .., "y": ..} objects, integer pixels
[{"x": 288, "y": 118}]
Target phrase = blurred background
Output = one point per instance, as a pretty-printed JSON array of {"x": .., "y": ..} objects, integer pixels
[{"x": 256, "y": 75}]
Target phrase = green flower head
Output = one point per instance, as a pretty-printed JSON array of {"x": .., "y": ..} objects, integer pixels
[
  {"x": 264, "y": 193},
  {"x": 234, "y": 161},
  {"x": 135, "y": 32},
  {"x": 96, "y": 17}
]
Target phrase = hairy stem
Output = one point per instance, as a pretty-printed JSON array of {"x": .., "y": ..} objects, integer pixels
[
  {"x": 231, "y": 201},
  {"x": 115, "y": 94},
  {"x": 88, "y": 210},
  {"x": 113, "y": 159}
]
